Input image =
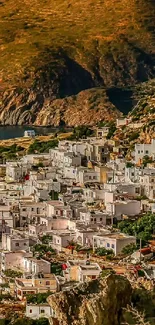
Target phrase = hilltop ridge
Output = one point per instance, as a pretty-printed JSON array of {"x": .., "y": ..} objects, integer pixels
[{"x": 52, "y": 50}]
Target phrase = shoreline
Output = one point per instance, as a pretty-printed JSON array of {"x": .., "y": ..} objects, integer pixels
[
  {"x": 17, "y": 131},
  {"x": 25, "y": 141}
]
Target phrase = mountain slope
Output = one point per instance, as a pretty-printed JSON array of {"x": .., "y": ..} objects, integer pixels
[{"x": 58, "y": 48}]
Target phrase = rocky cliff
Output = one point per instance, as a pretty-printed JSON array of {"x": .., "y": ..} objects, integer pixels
[
  {"x": 110, "y": 300},
  {"x": 99, "y": 302},
  {"x": 56, "y": 54}
]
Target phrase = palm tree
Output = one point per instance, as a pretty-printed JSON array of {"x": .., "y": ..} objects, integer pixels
[{"x": 71, "y": 245}]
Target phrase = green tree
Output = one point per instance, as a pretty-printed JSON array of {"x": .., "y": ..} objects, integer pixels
[
  {"x": 112, "y": 129},
  {"x": 81, "y": 131},
  {"x": 12, "y": 273},
  {"x": 38, "y": 298},
  {"x": 40, "y": 165},
  {"x": 129, "y": 164},
  {"x": 144, "y": 227},
  {"x": 46, "y": 238},
  {"x": 53, "y": 195},
  {"x": 133, "y": 136},
  {"x": 42, "y": 249},
  {"x": 129, "y": 249},
  {"x": 102, "y": 251},
  {"x": 146, "y": 160},
  {"x": 38, "y": 146}
]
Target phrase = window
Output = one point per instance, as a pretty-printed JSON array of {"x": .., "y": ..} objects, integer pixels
[
  {"x": 47, "y": 283},
  {"x": 23, "y": 218},
  {"x": 100, "y": 219},
  {"x": 17, "y": 244},
  {"x": 108, "y": 245},
  {"x": 113, "y": 246},
  {"x": 24, "y": 209},
  {"x": 24, "y": 244},
  {"x": 146, "y": 151},
  {"x": 139, "y": 151},
  {"x": 30, "y": 311},
  {"x": 42, "y": 311}
]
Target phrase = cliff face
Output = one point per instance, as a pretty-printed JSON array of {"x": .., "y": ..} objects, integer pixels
[
  {"x": 51, "y": 51},
  {"x": 85, "y": 108},
  {"x": 99, "y": 302}
]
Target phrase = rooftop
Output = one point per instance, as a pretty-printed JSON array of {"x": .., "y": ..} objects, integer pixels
[
  {"x": 83, "y": 264},
  {"x": 114, "y": 235}
]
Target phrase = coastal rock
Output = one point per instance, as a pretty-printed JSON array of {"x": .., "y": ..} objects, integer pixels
[
  {"x": 98, "y": 302},
  {"x": 86, "y": 108}
]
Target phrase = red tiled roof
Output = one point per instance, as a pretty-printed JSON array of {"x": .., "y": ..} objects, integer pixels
[{"x": 146, "y": 250}]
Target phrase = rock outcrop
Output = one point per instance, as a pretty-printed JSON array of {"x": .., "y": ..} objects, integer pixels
[
  {"x": 86, "y": 108},
  {"x": 98, "y": 302}
]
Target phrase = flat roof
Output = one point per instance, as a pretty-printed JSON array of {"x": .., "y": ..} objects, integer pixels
[
  {"x": 114, "y": 236},
  {"x": 38, "y": 305},
  {"x": 37, "y": 261},
  {"x": 55, "y": 203}
]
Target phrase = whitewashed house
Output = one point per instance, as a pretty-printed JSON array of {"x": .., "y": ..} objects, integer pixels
[
  {"x": 114, "y": 241},
  {"x": 144, "y": 149},
  {"x": 36, "y": 311},
  {"x": 29, "y": 133}
]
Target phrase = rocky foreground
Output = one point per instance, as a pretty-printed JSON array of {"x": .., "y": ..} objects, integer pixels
[{"x": 106, "y": 301}]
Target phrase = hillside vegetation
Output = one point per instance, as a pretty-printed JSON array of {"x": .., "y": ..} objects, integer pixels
[{"x": 52, "y": 49}]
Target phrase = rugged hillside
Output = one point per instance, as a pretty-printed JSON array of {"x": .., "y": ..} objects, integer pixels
[
  {"x": 99, "y": 302},
  {"x": 109, "y": 300},
  {"x": 55, "y": 49},
  {"x": 141, "y": 125}
]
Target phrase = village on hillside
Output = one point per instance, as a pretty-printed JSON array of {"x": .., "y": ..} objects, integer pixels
[{"x": 73, "y": 214}]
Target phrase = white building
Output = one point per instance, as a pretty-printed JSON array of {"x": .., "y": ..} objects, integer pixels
[
  {"x": 91, "y": 194},
  {"x": 84, "y": 237},
  {"x": 121, "y": 121},
  {"x": 132, "y": 174},
  {"x": 86, "y": 175},
  {"x": 143, "y": 149},
  {"x": 15, "y": 242},
  {"x": 13, "y": 260},
  {"x": 63, "y": 158},
  {"x": 147, "y": 182},
  {"x": 36, "y": 311},
  {"x": 61, "y": 239},
  {"x": 29, "y": 133},
  {"x": 96, "y": 217},
  {"x": 15, "y": 171},
  {"x": 34, "y": 266},
  {"x": 102, "y": 132},
  {"x": 82, "y": 270},
  {"x": 126, "y": 207},
  {"x": 6, "y": 216},
  {"x": 116, "y": 242},
  {"x": 56, "y": 208}
]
